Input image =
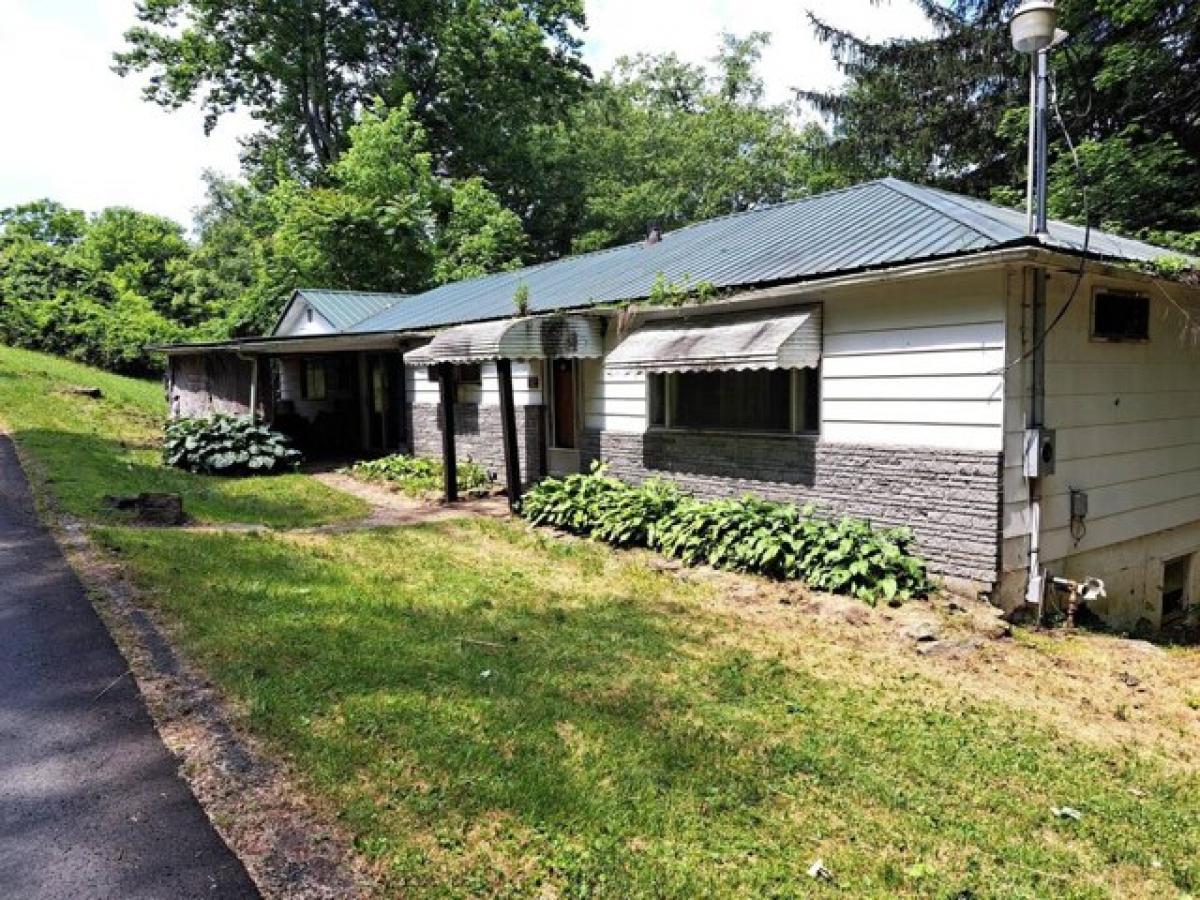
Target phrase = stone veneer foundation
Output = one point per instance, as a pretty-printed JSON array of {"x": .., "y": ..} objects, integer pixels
[
  {"x": 950, "y": 498},
  {"x": 479, "y": 436}
]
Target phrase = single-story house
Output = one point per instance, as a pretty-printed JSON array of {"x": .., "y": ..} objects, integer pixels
[{"x": 872, "y": 350}]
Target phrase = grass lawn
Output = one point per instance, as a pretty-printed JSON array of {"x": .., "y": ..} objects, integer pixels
[
  {"x": 88, "y": 448},
  {"x": 498, "y": 712}
]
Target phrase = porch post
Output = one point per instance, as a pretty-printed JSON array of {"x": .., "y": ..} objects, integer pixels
[
  {"x": 508, "y": 422},
  {"x": 254, "y": 389},
  {"x": 449, "y": 457}
]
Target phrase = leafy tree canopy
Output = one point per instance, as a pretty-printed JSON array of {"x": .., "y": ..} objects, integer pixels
[
  {"x": 43, "y": 220},
  {"x": 664, "y": 141},
  {"x": 480, "y": 75},
  {"x": 951, "y": 110}
]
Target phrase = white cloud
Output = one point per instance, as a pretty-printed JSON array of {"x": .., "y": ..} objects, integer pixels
[{"x": 80, "y": 134}]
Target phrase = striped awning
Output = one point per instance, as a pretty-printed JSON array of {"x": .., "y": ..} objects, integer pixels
[
  {"x": 542, "y": 337},
  {"x": 777, "y": 339}
]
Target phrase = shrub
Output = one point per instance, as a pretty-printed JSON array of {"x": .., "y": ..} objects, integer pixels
[
  {"x": 418, "y": 475},
  {"x": 572, "y": 503},
  {"x": 600, "y": 506},
  {"x": 227, "y": 445},
  {"x": 777, "y": 540}
]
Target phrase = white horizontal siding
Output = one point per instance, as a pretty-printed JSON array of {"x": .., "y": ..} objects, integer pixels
[
  {"x": 895, "y": 365},
  {"x": 917, "y": 412},
  {"x": 963, "y": 437},
  {"x": 916, "y": 364},
  {"x": 613, "y": 399},
  {"x": 926, "y": 387},
  {"x": 422, "y": 391},
  {"x": 1127, "y": 420}
]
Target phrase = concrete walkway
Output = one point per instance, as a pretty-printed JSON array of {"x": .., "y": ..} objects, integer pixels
[{"x": 90, "y": 802}]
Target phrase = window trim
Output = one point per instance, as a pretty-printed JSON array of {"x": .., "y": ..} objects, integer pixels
[
  {"x": 796, "y": 412},
  {"x": 1119, "y": 292}
]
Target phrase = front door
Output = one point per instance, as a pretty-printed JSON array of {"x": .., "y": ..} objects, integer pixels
[
  {"x": 563, "y": 450},
  {"x": 383, "y": 432}
]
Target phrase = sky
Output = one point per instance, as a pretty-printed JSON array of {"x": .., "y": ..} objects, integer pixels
[{"x": 80, "y": 134}]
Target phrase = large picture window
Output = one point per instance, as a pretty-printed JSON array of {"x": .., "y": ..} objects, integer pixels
[{"x": 760, "y": 400}]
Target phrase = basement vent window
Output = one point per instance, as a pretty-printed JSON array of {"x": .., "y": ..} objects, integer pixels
[
  {"x": 1120, "y": 317},
  {"x": 1176, "y": 574}
]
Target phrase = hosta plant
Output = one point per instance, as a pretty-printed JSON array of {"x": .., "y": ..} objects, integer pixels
[
  {"x": 846, "y": 556},
  {"x": 227, "y": 445},
  {"x": 418, "y": 475}
]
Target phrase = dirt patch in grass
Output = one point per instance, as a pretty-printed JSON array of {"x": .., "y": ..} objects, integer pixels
[{"x": 1111, "y": 691}]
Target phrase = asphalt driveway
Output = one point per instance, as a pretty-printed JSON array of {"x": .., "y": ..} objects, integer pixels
[{"x": 90, "y": 802}]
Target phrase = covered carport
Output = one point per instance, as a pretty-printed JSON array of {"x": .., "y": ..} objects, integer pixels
[{"x": 337, "y": 395}]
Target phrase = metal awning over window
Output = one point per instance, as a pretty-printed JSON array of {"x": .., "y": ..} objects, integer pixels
[
  {"x": 545, "y": 337},
  {"x": 788, "y": 339}
]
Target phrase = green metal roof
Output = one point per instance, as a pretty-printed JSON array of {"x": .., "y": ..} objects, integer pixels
[
  {"x": 874, "y": 225},
  {"x": 344, "y": 309}
]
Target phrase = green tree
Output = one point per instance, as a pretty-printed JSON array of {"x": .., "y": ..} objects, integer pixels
[
  {"x": 372, "y": 228},
  {"x": 665, "y": 141},
  {"x": 43, "y": 220},
  {"x": 482, "y": 74},
  {"x": 478, "y": 236},
  {"x": 224, "y": 277},
  {"x": 951, "y": 110},
  {"x": 139, "y": 253}
]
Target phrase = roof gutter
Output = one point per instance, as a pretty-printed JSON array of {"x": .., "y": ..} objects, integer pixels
[{"x": 784, "y": 294}]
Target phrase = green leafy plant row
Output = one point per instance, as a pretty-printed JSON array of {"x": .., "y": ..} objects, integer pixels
[
  {"x": 418, "y": 475},
  {"x": 227, "y": 445},
  {"x": 846, "y": 556}
]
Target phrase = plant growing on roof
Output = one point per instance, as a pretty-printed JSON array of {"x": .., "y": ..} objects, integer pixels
[
  {"x": 521, "y": 299},
  {"x": 671, "y": 293},
  {"x": 227, "y": 445}
]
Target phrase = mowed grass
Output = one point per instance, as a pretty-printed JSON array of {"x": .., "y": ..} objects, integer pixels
[
  {"x": 496, "y": 712},
  {"x": 88, "y": 448}
]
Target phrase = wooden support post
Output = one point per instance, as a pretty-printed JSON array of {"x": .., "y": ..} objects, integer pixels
[
  {"x": 449, "y": 457},
  {"x": 254, "y": 389},
  {"x": 508, "y": 422}
]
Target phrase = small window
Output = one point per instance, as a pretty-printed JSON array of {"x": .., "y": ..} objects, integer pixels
[
  {"x": 1120, "y": 317},
  {"x": 1175, "y": 585},
  {"x": 765, "y": 400},
  {"x": 313, "y": 379}
]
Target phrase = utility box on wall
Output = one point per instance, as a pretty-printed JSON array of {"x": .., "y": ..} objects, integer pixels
[{"x": 1040, "y": 451}]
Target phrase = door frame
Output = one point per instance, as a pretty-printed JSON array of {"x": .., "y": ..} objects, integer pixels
[{"x": 563, "y": 460}]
